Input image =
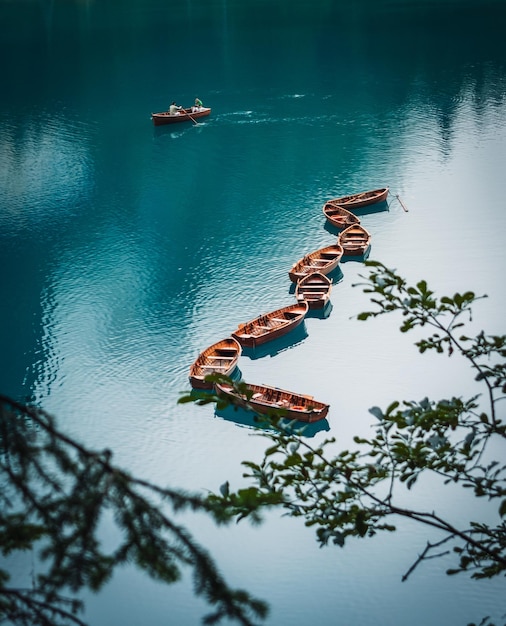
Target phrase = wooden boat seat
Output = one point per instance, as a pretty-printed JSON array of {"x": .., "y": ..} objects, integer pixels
[
  {"x": 220, "y": 358},
  {"x": 283, "y": 402}
]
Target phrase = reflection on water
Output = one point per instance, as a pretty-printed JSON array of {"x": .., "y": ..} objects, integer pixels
[
  {"x": 249, "y": 419},
  {"x": 322, "y": 313},
  {"x": 357, "y": 257},
  {"x": 370, "y": 209},
  {"x": 46, "y": 171},
  {"x": 272, "y": 348}
]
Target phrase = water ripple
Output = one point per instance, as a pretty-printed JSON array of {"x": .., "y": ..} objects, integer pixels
[{"x": 46, "y": 170}]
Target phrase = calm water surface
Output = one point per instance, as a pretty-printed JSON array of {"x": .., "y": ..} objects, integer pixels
[{"x": 126, "y": 249}]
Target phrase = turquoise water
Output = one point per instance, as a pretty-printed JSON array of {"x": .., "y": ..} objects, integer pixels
[{"x": 126, "y": 249}]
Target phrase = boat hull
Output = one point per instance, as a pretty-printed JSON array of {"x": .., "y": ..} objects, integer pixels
[
  {"x": 160, "y": 119},
  {"x": 219, "y": 358},
  {"x": 266, "y": 400},
  {"x": 355, "y": 240},
  {"x": 325, "y": 260},
  {"x": 314, "y": 289},
  {"x": 364, "y": 198},
  {"x": 338, "y": 216},
  {"x": 270, "y": 326}
]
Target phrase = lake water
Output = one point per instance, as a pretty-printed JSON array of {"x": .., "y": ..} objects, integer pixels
[{"x": 126, "y": 249}]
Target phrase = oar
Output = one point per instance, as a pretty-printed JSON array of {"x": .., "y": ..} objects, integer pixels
[
  {"x": 402, "y": 203},
  {"x": 192, "y": 119}
]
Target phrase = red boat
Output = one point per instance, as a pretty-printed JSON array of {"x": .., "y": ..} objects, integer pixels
[
  {"x": 338, "y": 216},
  {"x": 314, "y": 289},
  {"x": 325, "y": 260},
  {"x": 355, "y": 240},
  {"x": 270, "y": 325},
  {"x": 267, "y": 400},
  {"x": 220, "y": 358},
  {"x": 364, "y": 198},
  {"x": 184, "y": 115}
]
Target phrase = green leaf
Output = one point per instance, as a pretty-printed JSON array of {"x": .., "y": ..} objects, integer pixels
[
  {"x": 377, "y": 412},
  {"x": 363, "y": 316},
  {"x": 392, "y": 407},
  {"x": 271, "y": 450},
  {"x": 185, "y": 399}
]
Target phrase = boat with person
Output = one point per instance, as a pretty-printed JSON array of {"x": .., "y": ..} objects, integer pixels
[
  {"x": 271, "y": 325},
  {"x": 314, "y": 289},
  {"x": 324, "y": 260},
  {"x": 338, "y": 216},
  {"x": 183, "y": 115},
  {"x": 267, "y": 400},
  {"x": 355, "y": 240},
  {"x": 219, "y": 358},
  {"x": 363, "y": 198}
]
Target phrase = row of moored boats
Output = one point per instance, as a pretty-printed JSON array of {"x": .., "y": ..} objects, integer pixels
[{"x": 312, "y": 291}]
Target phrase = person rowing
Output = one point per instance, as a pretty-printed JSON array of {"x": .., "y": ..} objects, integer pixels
[{"x": 175, "y": 109}]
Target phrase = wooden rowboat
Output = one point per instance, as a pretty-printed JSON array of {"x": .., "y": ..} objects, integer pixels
[
  {"x": 271, "y": 325},
  {"x": 220, "y": 358},
  {"x": 184, "y": 115},
  {"x": 324, "y": 260},
  {"x": 364, "y": 198},
  {"x": 264, "y": 400},
  {"x": 314, "y": 289},
  {"x": 338, "y": 216},
  {"x": 355, "y": 240}
]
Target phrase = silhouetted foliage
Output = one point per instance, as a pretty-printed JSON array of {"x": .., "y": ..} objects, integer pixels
[{"x": 54, "y": 496}]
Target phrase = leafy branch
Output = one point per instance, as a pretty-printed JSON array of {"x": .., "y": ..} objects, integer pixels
[
  {"x": 55, "y": 493},
  {"x": 357, "y": 493}
]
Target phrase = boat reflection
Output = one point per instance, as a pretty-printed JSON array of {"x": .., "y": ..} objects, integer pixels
[
  {"x": 271, "y": 348},
  {"x": 377, "y": 207},
  {"x": 337, "y": 275},
  {"x": 357, "y": 257},
  {"x": 249, "y": 419},
  {"x": 330, "y": 228},
  {"x": 170, "y": 131},
  {"x": 321, "y": 313}
]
